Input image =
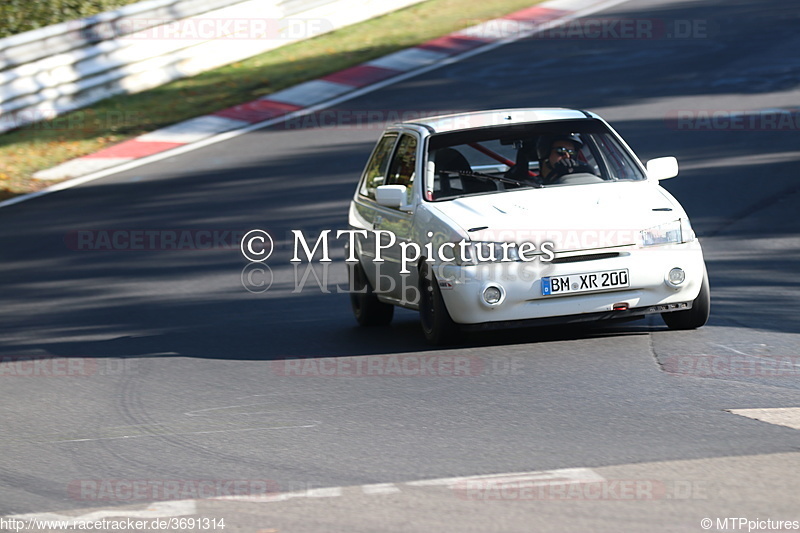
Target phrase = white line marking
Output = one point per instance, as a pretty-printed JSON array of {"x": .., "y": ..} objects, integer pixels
[
  {"x": 762, "y": 357},
  {"x": 154, "y": 510},
  {"x": 563, "y": 475},
  {"x": 380, "y": 488},
  {"x": 408, "y": 59},
  {"x": 780, "y": 416},
  {"x": 193, "y": 129},
  {"x": 267, "y": 409},
  {"x": 310, "y": 92},
  {"x": 302, "y": 112},
  {"x": 184, "y": 507},
  {"x": 187, "y": 433},
  {"x": 548, "y": 477},
  {"x": 330, "y": 492},
  {"x": 569, "y": 5},
  {"x": 79, "y": 166},
  {"x": 729, "y": 348}
]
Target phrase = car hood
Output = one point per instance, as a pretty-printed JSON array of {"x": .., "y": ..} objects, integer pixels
[{"x": 574, "y": 217}]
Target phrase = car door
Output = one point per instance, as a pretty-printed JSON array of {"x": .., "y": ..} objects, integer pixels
[
  {"x": 366, "y": 214},
  {"x": 396, "y": 223}
]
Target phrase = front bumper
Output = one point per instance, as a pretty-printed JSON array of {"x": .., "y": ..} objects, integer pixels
[
  {"x": 521, "y": 284},
  {"x": 627, "y": 314}
]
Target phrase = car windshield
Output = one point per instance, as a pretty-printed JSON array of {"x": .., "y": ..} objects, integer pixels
[{"x": 498, "y": 159}]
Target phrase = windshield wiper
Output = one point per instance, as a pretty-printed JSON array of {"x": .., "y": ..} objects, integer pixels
[{"x": 504, "y": 179}]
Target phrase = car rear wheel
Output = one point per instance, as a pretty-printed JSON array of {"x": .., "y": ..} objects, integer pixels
[
  {"x": 437, "y": 325},
  {"x": 695, "y": 317},
  {"x": 368, "y": 310}
]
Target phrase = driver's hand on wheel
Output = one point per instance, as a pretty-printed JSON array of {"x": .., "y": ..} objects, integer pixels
[
  {"x": 567, "y": 166},
  {"x": 570, "y": 166}
]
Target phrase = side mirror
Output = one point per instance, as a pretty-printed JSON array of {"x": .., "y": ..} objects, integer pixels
[
  {"x": 391, "y": 196},
  {"x": 662, "y": 168}
]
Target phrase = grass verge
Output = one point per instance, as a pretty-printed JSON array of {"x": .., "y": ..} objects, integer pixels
[{"x": 46, "y": 144}]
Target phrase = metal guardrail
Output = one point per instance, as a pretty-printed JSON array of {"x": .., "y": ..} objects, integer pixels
[
  {"x": 59, "y": 38},
  {"x": 50, "y": 71}
]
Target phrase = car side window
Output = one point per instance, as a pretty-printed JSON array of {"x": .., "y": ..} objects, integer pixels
[
  {"x": 401, "y": 171},
  {"x": 375, "y": 174}
]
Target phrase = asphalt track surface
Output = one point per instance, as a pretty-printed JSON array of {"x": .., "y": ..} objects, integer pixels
[{"x": 179, "y": 373}]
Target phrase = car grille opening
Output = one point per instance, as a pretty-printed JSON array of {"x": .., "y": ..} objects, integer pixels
[{"x": 585, "y": 257}]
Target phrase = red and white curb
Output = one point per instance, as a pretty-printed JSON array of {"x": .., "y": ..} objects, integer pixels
[{"x": 314, "y": 95}]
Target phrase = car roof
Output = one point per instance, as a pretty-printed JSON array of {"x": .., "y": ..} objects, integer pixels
[{"x": 498, "y": 117}]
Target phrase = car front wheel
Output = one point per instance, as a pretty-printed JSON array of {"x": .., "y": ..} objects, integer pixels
[
  {"x": 368, "y": 310},
  {"x": 695, "y": 317},
  {"x": 437, "y": 325}
]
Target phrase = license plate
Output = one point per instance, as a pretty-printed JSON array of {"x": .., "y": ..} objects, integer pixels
[{"x": 589, "y": 282}]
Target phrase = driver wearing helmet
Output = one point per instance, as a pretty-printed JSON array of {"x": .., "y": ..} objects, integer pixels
[{"x": 558, "y": 156}]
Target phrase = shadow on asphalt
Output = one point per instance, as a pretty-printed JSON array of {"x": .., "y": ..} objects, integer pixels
[{"x": 60, "y": 301}]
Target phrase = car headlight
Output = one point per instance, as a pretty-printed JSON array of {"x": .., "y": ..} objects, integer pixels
[
  {"x": 687, "y": 233},
  {"x": 491, "y": 252},
  {"x": 675, "y": 232}
]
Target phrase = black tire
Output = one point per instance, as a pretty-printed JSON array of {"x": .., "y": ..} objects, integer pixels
[
  {"x": 695, "y": 317},
  {"x": 438, "y": 327},
  {"x": 368, "y": 310}
]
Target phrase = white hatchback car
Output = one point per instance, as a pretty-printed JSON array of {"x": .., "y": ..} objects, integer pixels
[{"x": 520, "y": 217}]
